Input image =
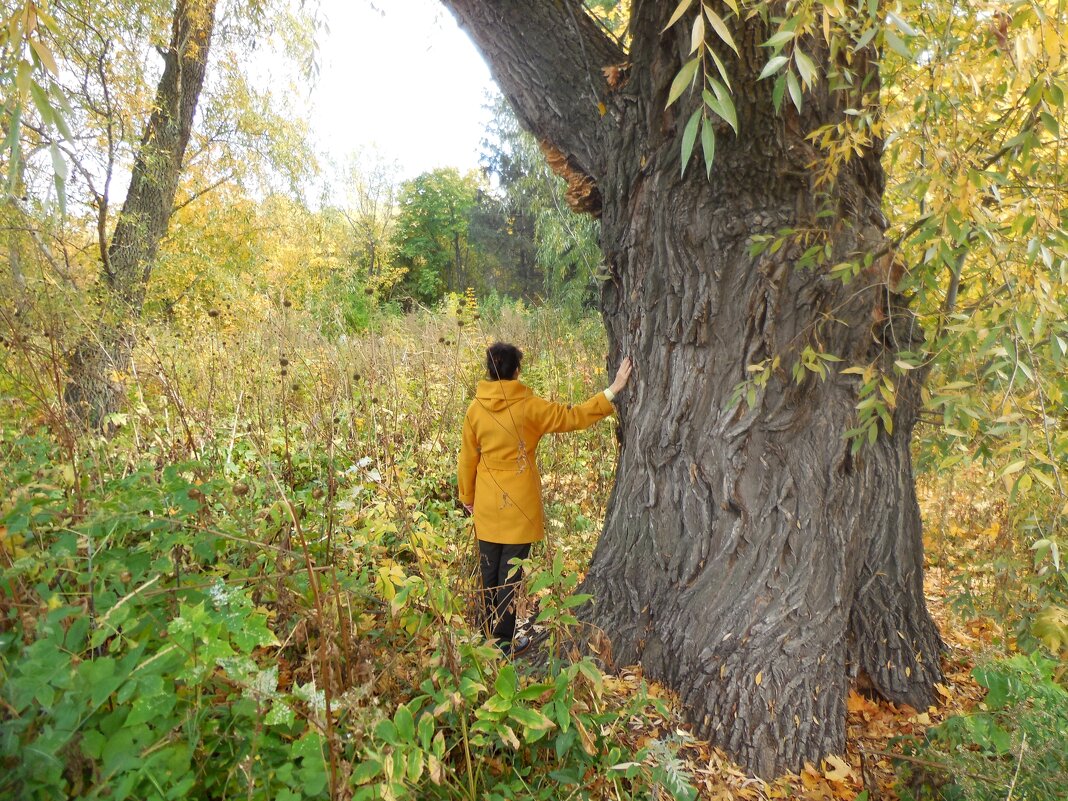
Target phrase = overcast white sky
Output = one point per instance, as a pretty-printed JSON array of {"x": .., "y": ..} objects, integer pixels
[{"x": 399, "y": 76}]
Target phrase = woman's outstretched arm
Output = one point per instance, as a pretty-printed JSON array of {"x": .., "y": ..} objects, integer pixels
[{"x": 558, "y": 417}]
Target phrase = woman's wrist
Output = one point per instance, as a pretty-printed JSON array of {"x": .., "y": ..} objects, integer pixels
[{"x": 611, "y": 393}]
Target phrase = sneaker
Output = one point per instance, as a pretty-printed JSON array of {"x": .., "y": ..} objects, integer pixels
[{"x": 516, "y": 646}]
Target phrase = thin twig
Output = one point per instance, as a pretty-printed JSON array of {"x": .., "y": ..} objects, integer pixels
[
  {"x": 931, "y": 764},
  {"x": 1019, "y": 762}
]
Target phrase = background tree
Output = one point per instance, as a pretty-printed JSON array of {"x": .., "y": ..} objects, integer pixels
[
  {"x": 750, "y": 558},
  {"x": 103, "y": 83},
  {"x": 431, "y": 237},
  {"x": 556, "y": 250},
  {"x": 371, "y": 189},
  {"x": 128, "y": 258}
]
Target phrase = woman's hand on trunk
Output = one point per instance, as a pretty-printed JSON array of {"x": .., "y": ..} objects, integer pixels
[{"x": 622, "y": 375}]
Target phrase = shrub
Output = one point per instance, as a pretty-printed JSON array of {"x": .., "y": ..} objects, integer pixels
[{"x": 1011, "y": 746}]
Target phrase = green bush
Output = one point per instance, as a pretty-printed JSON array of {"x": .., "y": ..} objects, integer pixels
[
  {"x": 1012, "y": 745},
  {"x": 149, "y": 616}
]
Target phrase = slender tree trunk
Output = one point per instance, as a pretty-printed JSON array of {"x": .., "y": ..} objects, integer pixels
[
  {"x": 458, "y": 262},
  {"x": 100, "y": 359},
  {"x": 14, "y": 244},
  {"x": 748, "y": 559}
]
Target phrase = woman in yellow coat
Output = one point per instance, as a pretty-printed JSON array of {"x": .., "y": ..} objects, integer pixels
[{"x": 498, "y": 476}]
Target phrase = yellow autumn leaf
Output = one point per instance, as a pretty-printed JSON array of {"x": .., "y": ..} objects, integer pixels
[{"x": 838, "y": 770}]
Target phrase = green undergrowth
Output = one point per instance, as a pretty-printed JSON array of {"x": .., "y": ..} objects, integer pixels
[
  {"x": 1012, "y": 746},
  {"x": 260, "y": 586},
  {"x": 172, "y": 633}
]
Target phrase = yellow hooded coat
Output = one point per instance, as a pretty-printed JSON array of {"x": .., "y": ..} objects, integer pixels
[{"x": 498, "y": 472}]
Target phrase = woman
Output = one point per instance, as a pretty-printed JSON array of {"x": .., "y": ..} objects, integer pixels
[{"x": 498, "y": 476}]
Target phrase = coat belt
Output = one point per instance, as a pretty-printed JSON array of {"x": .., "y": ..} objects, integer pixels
[{"x": 509, "y": 465}]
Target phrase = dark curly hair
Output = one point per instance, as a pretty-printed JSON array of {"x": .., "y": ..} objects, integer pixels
[{"x": 502, "y": 360}]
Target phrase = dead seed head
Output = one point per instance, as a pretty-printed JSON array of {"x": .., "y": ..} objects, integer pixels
[{"x": 213, "y": 313}]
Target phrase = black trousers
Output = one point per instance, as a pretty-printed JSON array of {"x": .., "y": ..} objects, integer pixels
[{"x": 498, "y": 589}]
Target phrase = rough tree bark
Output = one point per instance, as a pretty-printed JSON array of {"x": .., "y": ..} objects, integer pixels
[
  {"x": 747, "y": 559},
  {"x": 94, "y": 389}
]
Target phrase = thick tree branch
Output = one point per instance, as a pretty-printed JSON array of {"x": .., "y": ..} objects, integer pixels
[{"x": 547, "y": 57}]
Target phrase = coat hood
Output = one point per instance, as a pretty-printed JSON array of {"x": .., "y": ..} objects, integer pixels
[{"x": 496, "y": 396}]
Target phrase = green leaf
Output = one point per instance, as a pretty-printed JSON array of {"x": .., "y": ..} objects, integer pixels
[
  {"x": 368, "y": 768},
  {"x": 680, "y": 9},
  {"x": 507, "y": 682},
  {"x": 688, "y": 137},
  {"x": 865, "y": 37},
  {"x": 152, "y": 708},
  {"x": 540, "y": 582},
  {"x": 720, "y": 27},
  {"x": 281, "y": 714},
  {"x": 427, "y": 726},
  {"x": 590, "y": 671},
  {"x": 777, "y": 92},
  {"x": 531, "y": 719},
  {"x": 896, "y": 44},
  {"x": 532, "y": 691},
  {"x": 42, "y": 52},
  {"x": 386, "y": 730},
  {"x": 44, "y": 107},
  {"x": 900, "y": 24},
  {"x": 405, "y": 723},
  {"x": 697, "y": 36},
  {"x": 779, "y": 39},
  {"x": 497, "y": 705},
  {"x": 415, "y": 765},
  {"x": 1050, "y": 123},
  {"x": 795, "y": 90},
  {"x": 682, "y": 80},
  {"x": 774, "y": 65},
  {"x": 724, "y": 107},
  {"x": 23, "y": 78},
  {"x": 722, "y": 70},
  {"x": 1015, "y": 467},
  {"x": 806, "y": 67},
  {"x": 708, "y": 146}
]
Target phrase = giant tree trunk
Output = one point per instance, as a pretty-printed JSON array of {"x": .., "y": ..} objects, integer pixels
[
  {"x": 748, "y": 560},
  {"x": 100, "y": 359}
]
